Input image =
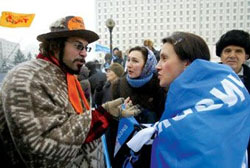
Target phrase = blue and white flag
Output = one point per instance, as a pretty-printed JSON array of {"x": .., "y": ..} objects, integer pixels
[
  {"x": 101, "y": 48},
  {"x": 206, "y": 122},
  {"x": 125, "y": 128}
]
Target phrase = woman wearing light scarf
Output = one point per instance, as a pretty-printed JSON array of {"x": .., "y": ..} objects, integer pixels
[{"x": 142, "y": 86}]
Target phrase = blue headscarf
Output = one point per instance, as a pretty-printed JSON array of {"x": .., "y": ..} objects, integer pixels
[{"x": 147, "y": 72}]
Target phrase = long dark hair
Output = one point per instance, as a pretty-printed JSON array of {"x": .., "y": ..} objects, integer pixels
[{"x": 48, "y": 47}]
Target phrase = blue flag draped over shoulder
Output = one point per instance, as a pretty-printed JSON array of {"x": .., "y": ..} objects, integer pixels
[{"x": 206, "y": 120}]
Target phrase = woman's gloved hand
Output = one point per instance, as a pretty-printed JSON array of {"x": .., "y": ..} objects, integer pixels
[{"x": 121, "y": 108}]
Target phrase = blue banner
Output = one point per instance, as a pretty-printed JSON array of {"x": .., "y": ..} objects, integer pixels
[
  {"x": 101, "y": 48},
  {"x": 206, "y": 121}
]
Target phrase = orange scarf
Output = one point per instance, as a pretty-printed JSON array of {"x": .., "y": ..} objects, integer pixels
[{"x": 74, "y": 87}]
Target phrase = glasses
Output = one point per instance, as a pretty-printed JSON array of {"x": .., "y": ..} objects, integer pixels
[{"x": 79, "y": 46}]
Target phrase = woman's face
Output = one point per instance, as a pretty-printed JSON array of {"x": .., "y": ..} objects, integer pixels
[
  {"x": 135, "y": 64},
  {"x": 170, "y": 66},
  {"x": 111, "y": 76}
]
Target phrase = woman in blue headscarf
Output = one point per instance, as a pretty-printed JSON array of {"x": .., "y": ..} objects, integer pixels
[{"x": 142, "y": 86}]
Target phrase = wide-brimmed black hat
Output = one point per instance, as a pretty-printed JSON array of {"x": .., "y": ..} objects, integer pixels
[
  {"x": 70, "y": 26},
  {"x": 234, "y": 37}
]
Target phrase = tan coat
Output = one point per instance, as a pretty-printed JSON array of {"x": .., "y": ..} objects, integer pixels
[{"x": 43, "y": 124}]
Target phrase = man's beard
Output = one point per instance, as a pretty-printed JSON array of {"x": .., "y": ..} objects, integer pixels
[{"x": 66, "y": 67}]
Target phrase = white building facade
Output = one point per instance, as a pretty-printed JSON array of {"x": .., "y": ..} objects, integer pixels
[{"x": 137, "y": 20}]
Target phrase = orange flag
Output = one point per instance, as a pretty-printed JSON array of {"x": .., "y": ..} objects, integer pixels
[{"x": 10, "y": 19}]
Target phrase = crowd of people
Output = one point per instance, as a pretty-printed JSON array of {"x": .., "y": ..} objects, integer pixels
[{"x": 190, "y": 112}]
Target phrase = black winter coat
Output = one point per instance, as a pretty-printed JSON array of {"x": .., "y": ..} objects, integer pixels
[
  {"x": 246, "y": 77},
  {"x": 151, "y": 97}
]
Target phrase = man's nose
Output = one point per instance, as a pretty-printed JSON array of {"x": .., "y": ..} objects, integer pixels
[
  {"x": 83, "y": 53},
  {"x": 232, "y": 54}
]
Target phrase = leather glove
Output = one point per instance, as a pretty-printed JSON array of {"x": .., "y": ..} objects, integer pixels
[
  {"x": 129, "y": 111},
  {"x": 118, "y": 109}
]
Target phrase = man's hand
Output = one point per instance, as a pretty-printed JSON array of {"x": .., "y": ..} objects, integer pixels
[{"x": 120, "y": 108}]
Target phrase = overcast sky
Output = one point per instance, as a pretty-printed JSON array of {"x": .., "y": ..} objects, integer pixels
[{"x": 46, "y": 12}]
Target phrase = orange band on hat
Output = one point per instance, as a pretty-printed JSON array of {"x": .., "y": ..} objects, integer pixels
[{"x": 76, "y": 23}]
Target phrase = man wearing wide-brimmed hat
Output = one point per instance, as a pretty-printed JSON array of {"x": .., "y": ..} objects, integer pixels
[{"x": 45, "y": 119}]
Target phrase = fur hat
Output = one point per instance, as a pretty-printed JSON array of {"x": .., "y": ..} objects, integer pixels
[
  {"x": 234, "y": 37},
  {"x": 117, "y": 69},
  {"x": 70, "y": 26}
]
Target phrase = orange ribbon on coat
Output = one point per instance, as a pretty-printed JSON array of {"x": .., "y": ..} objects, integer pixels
[{"x": 75, "y": 91}]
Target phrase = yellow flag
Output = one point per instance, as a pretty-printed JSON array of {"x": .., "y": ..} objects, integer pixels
[{"x": 10, "y": 19}]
